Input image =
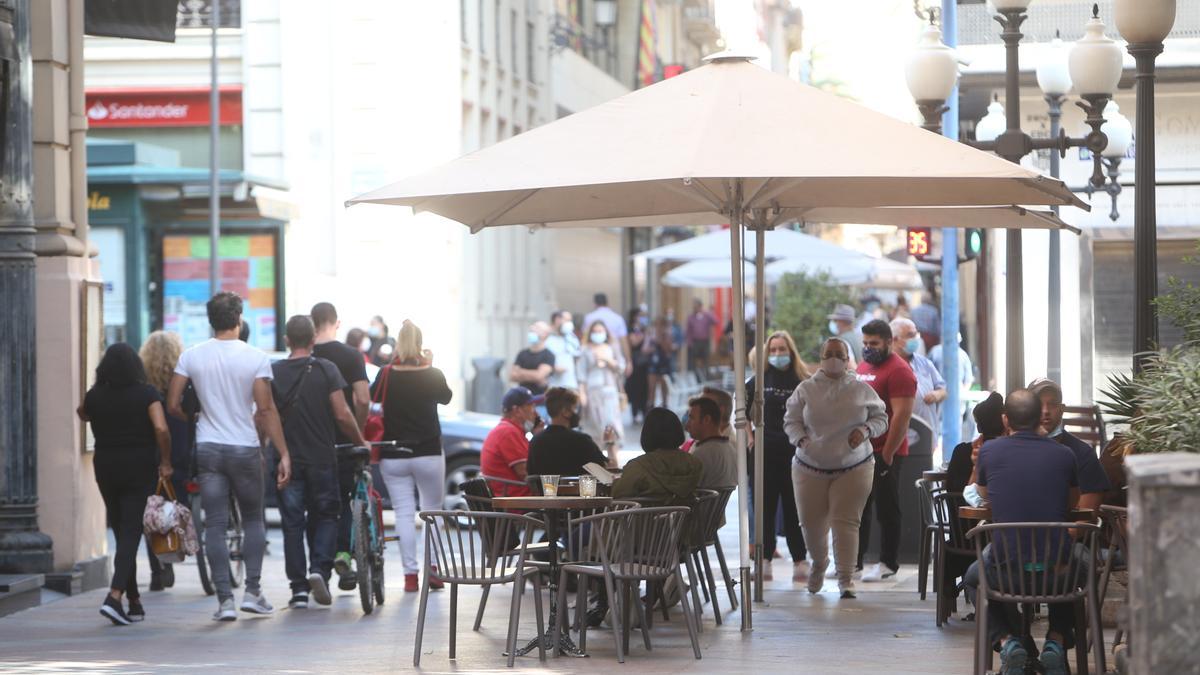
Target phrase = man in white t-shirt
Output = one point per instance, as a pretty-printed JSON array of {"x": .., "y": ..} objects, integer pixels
[{"x": 233, "y": 383}]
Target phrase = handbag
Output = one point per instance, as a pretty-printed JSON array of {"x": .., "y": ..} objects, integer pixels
[
  {"x": 169, "y": 526},
  {"x": 373, "y": 429}
]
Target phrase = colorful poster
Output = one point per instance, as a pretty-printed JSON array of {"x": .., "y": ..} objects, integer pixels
[{"x": 247, "y": 267}]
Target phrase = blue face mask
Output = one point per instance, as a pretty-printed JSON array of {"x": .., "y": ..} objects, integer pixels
[
  {"x": 780, "y": 361},
  {"x": 598, "y": 338},
  {"x": 912, "y": 345},
  {"x": 532, "y": 338},
  {"x": 874, "y": 356}
]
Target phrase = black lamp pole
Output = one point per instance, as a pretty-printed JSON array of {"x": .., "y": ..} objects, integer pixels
[
  {"x": 1145, "y": 225},
  {"x": 1054, "y": 300}
]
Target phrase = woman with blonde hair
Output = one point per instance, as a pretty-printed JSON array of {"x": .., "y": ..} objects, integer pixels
[
  {"x": 784, "y": 372},
  {"x": 159, "y": 353},
  {"x": 409, "y": 390}
]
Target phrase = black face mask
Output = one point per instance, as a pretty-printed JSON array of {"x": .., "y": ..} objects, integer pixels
[
  {"x": 573, "y": 420},
  {"x": 875, "y": 356}
]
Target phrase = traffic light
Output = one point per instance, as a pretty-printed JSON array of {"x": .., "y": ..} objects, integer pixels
[{"x": 972, "y": 243}]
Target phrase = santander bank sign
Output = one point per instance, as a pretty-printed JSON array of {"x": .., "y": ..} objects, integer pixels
[{"x": 160, "y": 107}]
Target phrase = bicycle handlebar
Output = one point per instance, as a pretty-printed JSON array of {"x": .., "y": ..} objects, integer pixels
[
  {"x": 378, "y": 444},
  {"x": 387, "y": 450}
]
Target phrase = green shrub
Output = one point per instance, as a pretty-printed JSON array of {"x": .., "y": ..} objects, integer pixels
[
  {"x": 802, "y": 306},
  {"x": 1168, "y": 395}
]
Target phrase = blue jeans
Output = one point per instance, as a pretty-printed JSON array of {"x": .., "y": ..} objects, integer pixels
[
  {"x": 238, "y": 470},
  {"x": 309, "y": 506}
]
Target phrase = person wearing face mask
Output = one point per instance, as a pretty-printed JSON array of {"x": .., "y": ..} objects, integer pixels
[
  {"x": 600, "y": 370},
  {"x": 506, "y": 449},
  {"x": 534, "y": 364},
  {"x": 382, "y": 346},
  {"x": 842, "y": 325},
  {"x": 1093, "y": 482},
  {"x": 785, "y": 371},
  {"x": 564, "y": 345},
  {"x": 894, "y": 382},
  {"x": 831, "y": 418},
  {"x": 931, "y": 387},
  {"x": 560, "y": 449}
]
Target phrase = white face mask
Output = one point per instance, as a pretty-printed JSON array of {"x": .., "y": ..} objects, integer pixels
[
  {"x": 833, "y": 328},
  {"x": 568, "y": 327},
  {"x": 833, "y": 367}
]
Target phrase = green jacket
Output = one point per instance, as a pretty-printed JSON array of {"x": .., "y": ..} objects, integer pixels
[{"x": 670, "y": 475}]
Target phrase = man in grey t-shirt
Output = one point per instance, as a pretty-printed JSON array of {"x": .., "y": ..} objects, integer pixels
[{"x": 712, "y": 448}]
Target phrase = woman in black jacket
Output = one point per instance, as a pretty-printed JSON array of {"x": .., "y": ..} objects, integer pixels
[
  {"x": 784, "y": 372},
  {"x": 129, "y": 424}
]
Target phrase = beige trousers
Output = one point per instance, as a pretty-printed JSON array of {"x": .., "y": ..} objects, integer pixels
[{"x": 838, "y": 500}]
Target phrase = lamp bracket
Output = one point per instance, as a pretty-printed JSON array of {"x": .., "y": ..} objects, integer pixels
[{"x": 1096, "y": 141}]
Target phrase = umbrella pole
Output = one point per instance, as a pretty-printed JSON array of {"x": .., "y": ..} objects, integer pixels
[
  {"x": 760, "y": 359},
  {"x": 739, "y": 398}
]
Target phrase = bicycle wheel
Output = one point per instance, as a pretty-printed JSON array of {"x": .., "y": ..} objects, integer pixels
[
  {"x": 361, "y": 533},
  {"x": 377, "y": 572},
  {"x": 237, "y": 563},
  {"x": 201, "y": 553}
]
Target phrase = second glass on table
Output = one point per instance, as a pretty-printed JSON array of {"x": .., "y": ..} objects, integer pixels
[
  {"x": 587, "y": 486},
  {"x": 549, "y": 485}
]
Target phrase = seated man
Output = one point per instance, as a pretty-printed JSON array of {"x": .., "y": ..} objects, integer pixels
[
  {"x": 711, "y": 447},
  {"x": 1026, "y": 477},
  {"x": 560, "y": 449},
  {"x": 1093, "y": 481},
  {"x": 506, "y": 449},
  {"x": 663, "y": 473}
]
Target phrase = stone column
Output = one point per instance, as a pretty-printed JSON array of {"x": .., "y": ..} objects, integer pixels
[
  {"x": 1164, "y": 554},
  {"x": 23, "y": 548}
]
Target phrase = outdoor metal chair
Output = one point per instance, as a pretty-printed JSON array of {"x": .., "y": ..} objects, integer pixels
[
  {"x": 625, "y": 548},
  {"x": 950, "y": 539},
  {"x": 1039, "y": 563},
  {"x": 703, "y": 522},
  {"x": 455, "y": 556},
  {"x": 714, "y": 540},
  {"x": 505, "y": 485},
  {"x": 478, "y": 496},
  {"x": 925, "y": 552},
  {"x": 1115, "y": 523}
]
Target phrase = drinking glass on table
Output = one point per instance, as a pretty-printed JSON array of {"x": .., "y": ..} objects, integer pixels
[
  {"x": 587, "y": 486},
  {"x": 549, "y": 485}
]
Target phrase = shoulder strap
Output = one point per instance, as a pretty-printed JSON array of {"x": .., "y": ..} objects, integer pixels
[
  {"x": 381, "y": 390},
  {"x": 294, "y": 392}
]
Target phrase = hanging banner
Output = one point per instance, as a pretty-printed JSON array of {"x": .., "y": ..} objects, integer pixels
[{"x": 137, "y": 19}]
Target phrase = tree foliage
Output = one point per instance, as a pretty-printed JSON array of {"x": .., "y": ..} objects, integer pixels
[{"x": 802, "y": 306}]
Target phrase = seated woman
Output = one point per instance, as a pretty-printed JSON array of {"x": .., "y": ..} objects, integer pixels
[{"x": 663, "y": 473}]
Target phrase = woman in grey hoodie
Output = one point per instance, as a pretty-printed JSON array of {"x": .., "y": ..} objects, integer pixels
[{"x": 831, "y": 418}]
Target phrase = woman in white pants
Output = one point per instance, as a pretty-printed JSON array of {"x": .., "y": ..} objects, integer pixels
[
  {"x": 831, "y": 418},
  {"x": 409, "y": 391}
]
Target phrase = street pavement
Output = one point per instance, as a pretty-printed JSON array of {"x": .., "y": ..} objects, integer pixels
[{"x": 887, "y": 629}]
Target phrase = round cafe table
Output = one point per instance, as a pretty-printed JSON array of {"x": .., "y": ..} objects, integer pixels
[
  {"x": 934, "y": 475},
  {"x": 985, "y": 513},
  {"x": 555, "y": 509}
]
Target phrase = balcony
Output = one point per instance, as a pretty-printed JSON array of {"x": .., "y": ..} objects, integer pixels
[
  {"x": 700, "y": 22},
  {"x": 198, "y": 13}
]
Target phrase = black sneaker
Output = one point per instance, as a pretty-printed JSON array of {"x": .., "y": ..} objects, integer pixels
[
  {"x": 156, "y": 582},
  {"x": 168, "y": 575},
  {"x": 135, "y": 612},
  {"x": 298, "y": 601},
  {"x": 113, "y": 610},
  {"x": 347, "y": 581}
]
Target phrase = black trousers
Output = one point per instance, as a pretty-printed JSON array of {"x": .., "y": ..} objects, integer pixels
[
  {"x": 124, "y": 486},
  {"x": 885, "y": 496},
  {"x": 779, "y": 491}
]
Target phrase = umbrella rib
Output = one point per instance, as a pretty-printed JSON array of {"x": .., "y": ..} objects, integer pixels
[
  {"x": 503, "y": 211},
  {"x": 1039, "y": 183},
  {"x": 698, "y": 193},
  {"x": 766, "y": 197}
]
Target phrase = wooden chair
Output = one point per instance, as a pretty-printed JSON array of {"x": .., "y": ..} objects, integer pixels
[
  {"x": 452, "y": 556},
  {"x": 1087, "y": 424},
  {"x": 1037, "y": 563}
]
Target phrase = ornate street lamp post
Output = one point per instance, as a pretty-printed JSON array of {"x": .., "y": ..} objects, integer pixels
[
  {"x": 1094, "y": 67},
  {"x": 1145, "y": 24}
]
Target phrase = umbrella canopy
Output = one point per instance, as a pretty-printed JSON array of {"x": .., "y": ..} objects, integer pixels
[
  {"x": 668, "y": 154},
  {"x": 715, "y": 246},
  {"x": 861, "y": 271},
  {"x": 725, "y": 143}
]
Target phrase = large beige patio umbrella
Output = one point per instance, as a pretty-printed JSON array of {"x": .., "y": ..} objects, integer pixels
[{"x": 728, "y": 142}]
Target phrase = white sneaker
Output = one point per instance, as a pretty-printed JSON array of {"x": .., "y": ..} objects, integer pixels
[
  {"x": 319, "y": 589},
  {"x": 831, "y": 573},
  {"x": 226, "y": 611},
  {"x": 878, "y": 572},
  {"x": 816, "y": 577},
  {"x": 801, "y": 571},
  {"x": 256, "y": 604}
]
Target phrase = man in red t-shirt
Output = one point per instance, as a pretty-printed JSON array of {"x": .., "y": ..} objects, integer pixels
[
  {"x": 892, "y": 378},
  {"x": 506, "y": 448}
]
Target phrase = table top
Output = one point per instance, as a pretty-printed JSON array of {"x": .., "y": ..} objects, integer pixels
[
  {"x": 934, "y": 475},
  {"x": 552, "y": 503},
  {"x": 985, "y": 513}
]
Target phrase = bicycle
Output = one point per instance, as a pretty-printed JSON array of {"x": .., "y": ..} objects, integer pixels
[
  {"x": 367, "y": 539},
  {"x": 233, "y": 539}
]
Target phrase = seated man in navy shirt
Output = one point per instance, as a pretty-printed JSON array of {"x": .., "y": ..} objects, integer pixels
[
  {"x": 1093, "y": 482},
  {"x": 1026, "y": 477}
]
